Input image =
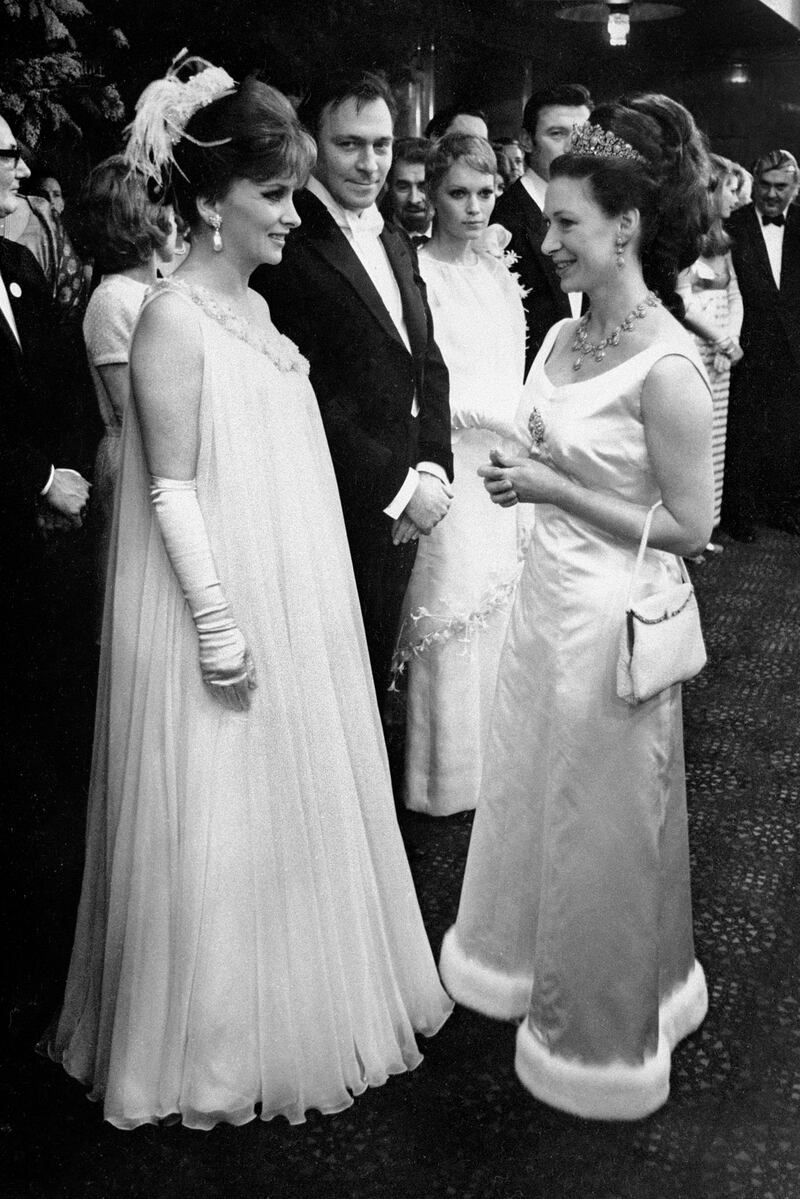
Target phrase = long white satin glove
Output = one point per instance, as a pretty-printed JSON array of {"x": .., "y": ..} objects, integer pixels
[{"x": 225, "y": 662}]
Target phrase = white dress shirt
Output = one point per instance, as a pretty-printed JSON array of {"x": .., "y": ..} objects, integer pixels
[
  {"x": 536, "y": 187},
  {"x": 773, "y": 240},
  {"x": 7, "y": 310},
  {"x": 363, "y": 230}
]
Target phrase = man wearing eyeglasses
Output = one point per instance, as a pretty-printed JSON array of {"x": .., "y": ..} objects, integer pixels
[
  {"x": 37, "y": 491},
  {"x": 29, "y": 412}
]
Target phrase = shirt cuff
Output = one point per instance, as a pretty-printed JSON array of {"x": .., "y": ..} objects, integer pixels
[
  {"x": 398, "y": 504},
  {"x": 433, "y": 468},
  {"x": 49, "y": 482}
]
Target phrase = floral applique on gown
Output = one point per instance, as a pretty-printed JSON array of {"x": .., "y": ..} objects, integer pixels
[
  {"x": 575, "y": 913},
  {"x": 248, "y": 931},
  {"x": 459, "y": 597}
]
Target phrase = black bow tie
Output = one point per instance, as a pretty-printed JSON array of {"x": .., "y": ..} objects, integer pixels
[
  {"x": 419, "y": 239},
  {"x": 773, "y": 220}
]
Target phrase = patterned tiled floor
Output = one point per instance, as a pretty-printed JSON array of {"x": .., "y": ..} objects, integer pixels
[{"x": 461, "y": 1125}]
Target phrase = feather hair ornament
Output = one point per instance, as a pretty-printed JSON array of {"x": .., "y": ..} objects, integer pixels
[{"x": 164, "y": 109}]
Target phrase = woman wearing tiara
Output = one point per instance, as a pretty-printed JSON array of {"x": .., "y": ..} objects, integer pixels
[
  {"x": 575, "y": 913},
  {"x": 248, "y": 939}
]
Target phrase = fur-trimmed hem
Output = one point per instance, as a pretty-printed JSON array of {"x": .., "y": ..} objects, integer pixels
[
  {"x": 617, "y": 1091},
  {"x": 476, "y": 986}
]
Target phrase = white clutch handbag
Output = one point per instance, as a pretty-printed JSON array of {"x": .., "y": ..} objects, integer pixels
[{"x": 661, "y": 641}]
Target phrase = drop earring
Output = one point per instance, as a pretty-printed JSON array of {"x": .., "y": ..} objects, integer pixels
[
  {"x": 620, "y": 248},
  {"x": 215, "y": 221}
]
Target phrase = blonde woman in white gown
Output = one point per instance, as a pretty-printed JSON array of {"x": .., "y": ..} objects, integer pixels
[
  {"x": 460, "y": 592},
  {"x": 714, "y": 309},
  {"x": 248, "y": 941}
]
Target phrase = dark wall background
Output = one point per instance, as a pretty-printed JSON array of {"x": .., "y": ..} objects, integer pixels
[{"x": 489, "y": 52}]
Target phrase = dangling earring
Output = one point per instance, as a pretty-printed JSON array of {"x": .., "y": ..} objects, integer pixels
[
  {"x": 620, "y": 246},
  {"x": 215, "y": 221}
]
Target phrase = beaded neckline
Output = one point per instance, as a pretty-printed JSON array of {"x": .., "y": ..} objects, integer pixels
[{"x": 282, "y": 352}]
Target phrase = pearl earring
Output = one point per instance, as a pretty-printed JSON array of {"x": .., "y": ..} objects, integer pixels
[
  {"x": 620, "y": 247},
  {"x": 215, "y": 221}
]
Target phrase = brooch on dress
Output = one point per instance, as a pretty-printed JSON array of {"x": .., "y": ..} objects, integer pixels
[{"x": 536, "y": 427}]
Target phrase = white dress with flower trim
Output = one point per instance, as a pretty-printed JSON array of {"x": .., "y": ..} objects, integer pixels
[
  {"x": 248, "y": 934},
  {"x": 459, "y": 595}
]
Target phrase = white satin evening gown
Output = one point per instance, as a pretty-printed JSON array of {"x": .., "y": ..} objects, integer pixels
[{"x": 575, "y": 913}]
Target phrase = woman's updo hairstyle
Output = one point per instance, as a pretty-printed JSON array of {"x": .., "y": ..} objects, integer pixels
[
  {"x": 473, "y": 151},
  {"x": 252, "y": 133},
  {"x": 115, "y": 222},
  {"x": 666, "y": 180}
]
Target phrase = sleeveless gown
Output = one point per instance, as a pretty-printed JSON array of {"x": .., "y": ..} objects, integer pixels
[
  {"x": 458, "y": 601},
  {"x": 575, "y": 913},
  {"x": 248, "y": 931},
  {"x": 710, "y": 289}
]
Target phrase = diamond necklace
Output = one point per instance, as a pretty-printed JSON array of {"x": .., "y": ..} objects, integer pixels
[{"x": 597, "y": 349}]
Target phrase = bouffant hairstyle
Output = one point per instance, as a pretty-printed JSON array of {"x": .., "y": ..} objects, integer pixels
[
  {"x": 252, "y": 133},
  {"x": 667, "y": 181},
  {"x": 115, "y": 222},
  {"x": 715, "y": 240},
  {"x": 329, "y": 92},
  {"x": 473, "y": 151}
]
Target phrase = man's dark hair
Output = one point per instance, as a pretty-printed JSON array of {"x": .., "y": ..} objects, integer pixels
[
  {"x": 330, "y": 91},
  {"x": 440, "y": 120},
  {"x": 409, "y": 149},
  {"x": 566, "y": 95}
]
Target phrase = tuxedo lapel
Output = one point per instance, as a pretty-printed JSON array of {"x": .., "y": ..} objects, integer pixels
[
  {"x": 403, "y": 269},
  {"x": 534, "y": 224},
  {"x": 17, "y": 306},
  {"x": 330, "y": 243},
  {"x": 759, "y": 247},
  {"x": 790, "y": 261}
]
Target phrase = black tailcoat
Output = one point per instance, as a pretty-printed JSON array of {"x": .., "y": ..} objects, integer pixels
[
  {"x": 545, "y": 303},
  {"x": 365, "y": 381}
]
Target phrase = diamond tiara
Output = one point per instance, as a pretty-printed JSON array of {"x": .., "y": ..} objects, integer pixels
[{"x": 595, "y": 142}]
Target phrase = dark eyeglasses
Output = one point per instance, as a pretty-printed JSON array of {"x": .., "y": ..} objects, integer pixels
[{"x": 13, "y": 154}]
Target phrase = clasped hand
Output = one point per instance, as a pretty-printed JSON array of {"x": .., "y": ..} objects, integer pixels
[
  {"x": 428, "y": 505},
  {"x": 68, "y": 494},
  {"x": 512, "y": 480}
]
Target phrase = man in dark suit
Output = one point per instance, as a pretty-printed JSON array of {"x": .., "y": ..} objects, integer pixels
[
  {"x": 348, "y": 292},
  {"x": 547, "y": 120},
  {"x": 762, "y": 458},
  {"x": 35, "y": 490}
]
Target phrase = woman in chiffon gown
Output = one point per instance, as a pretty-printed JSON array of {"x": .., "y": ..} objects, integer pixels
[
  {"x": 248, "y": 940},
  {"x": 714, "y": 310},
  {"x": 459, "y": 596},
  {"x": 575, "y": 913}
]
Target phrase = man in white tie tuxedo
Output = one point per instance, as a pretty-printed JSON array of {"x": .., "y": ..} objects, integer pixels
[
  {"x": 349, "y": 294},
  {"x": 762, "y": 458}
]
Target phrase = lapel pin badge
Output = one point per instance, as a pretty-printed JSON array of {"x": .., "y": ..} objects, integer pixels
[{"x": 15, "y": 290}]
